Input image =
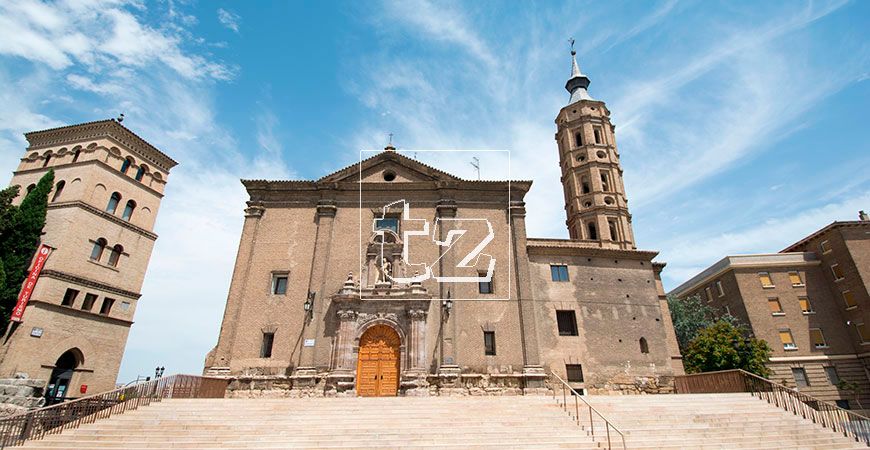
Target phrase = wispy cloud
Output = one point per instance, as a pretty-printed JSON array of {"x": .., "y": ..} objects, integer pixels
[
  {"x": 52, "y": 34},
  {"x": 228, "y": 19}
]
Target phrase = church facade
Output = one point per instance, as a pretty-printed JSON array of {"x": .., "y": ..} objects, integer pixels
[{"x": 391, "y": 277}]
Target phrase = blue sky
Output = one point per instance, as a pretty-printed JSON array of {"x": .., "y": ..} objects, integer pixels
[{"x": 742, "y": 126}]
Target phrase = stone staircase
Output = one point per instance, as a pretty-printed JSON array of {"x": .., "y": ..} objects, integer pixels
[
  {"x": 711, "y": 421},
  {"x": 651, "y": 421},
  {"x": 397, "y": 422}
]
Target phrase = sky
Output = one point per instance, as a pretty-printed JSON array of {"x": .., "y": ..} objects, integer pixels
[{"x": 741, "y": 126}]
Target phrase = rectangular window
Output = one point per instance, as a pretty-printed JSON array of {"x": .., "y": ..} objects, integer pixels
[
  {"x": 125, "y": 306},
  {"x": 266, "y": 347},
  {"x": 764, "y": 278},
  {"x": 88, "y": 304},
  {"x": 489, "y": 343},
  {"x": 567, "y": 323},
  {"x": 775, "y": 306},
  {"x": 719, "y": 289},
  {"x": 106, "y": 308},
  {"x": 709, "y": 294},
  {"x": 787, "y": 340},
  {"x": 832, "y": 374},
  {"x": 559, "y": 272},
  {"x": 842, "y": 404},
  {"x": 605, "y": 182},
  {"x": 849, "y": 298},
  {"x": 795, "y": 278},
  {"x": 862, "y": 333},
  {"x": 824, "y": 246},
  {"x": 837, "y": 271},
  {"x": 806, "y": 306},
  {"x": 597, "y": 132},
  {"x": 389, "y": 223},
  {"x": 574, "y": 372},
  {"x": 279, "y": 284},
  {"x": 800, "y": 377},
  {"x": 818, "y": 338},
  {"x": 70, "y": 297},
  {"x": 578, "y": 139},
  {"x": 484, "y": 287}
]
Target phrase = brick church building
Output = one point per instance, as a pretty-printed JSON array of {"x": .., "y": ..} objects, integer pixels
[{"x": 392, "y": 277}]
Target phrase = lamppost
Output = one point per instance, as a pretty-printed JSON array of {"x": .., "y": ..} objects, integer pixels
[
  {"x": 447, "y": 305},
  {"x": 308, "y": 306}
]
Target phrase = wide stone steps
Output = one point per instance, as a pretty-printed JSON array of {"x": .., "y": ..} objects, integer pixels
[
  {"x": 707, "y": 421},
  {"x": 710, "y": 421}
]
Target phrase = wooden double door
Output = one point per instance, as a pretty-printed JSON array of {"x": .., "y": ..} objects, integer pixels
[{"x": 377, "y": 372}]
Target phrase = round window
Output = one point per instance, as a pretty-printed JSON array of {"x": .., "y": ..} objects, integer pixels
[
  {"x": 608, "y": 200},
  {"x": 389, "y": 175},
  {"x": 581, "y": 158},
  {"x": 601, "y": 154}
]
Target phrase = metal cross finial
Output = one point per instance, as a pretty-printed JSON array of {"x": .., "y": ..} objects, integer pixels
[
  {"x": 391, "y": 138},
  {"x": 571, "y": 40},
  {"x": 476, "y": 164}
]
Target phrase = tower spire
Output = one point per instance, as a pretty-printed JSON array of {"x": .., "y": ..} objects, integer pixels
[{"x": 578, "y": 82}]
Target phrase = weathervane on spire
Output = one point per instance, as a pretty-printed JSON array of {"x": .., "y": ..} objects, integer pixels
[{"x": 571, "y": 40}]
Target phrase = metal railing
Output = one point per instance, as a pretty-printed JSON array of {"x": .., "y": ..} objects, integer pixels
[
  {"x": 38, "y": 423},
  {"x": 566, "y": 388},
  {"x": 838, "y": 420}
]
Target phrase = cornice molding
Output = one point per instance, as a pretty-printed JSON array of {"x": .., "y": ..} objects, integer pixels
[
  {"x": 99, "y": 163},
  {"x": 81, "y": 313},
  {"x": 104, "y": 215},
  {"x": 63, "y": 276},
  {"x": 100, "y": 129}
]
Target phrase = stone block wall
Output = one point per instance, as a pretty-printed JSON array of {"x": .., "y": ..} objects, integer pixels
[{"x": 20, "y": 394}]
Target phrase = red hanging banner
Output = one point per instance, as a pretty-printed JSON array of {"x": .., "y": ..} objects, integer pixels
[{"x": 27, "y": 289}]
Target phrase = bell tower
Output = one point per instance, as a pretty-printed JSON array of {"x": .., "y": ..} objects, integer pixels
[{"x": 595, "y": 201}]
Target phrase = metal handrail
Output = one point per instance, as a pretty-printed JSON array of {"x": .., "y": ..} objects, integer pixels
[
  {"x": 37, "y": 423},
  {"x": 838, "y": 420},
  {"x": 607, "y": 424}
]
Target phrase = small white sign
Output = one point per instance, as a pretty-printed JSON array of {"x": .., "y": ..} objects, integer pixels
[
  {"x": 36, "y": 332},
  {"x": 308, "y": 343}
]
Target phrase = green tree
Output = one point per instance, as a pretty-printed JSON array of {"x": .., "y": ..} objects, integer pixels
[
  {"x": 20, "y": 232},
  {"x": 690, "y": 316},
  {"x": 724, "y": 346}
]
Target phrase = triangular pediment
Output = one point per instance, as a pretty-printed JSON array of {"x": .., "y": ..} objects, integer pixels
[{"x": 389, "y": 166}]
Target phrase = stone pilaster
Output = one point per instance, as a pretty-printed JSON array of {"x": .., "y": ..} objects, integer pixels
[
  {"x": 528, "y": 326},
  {"x": 446, "y": 208},
  {"x": 319, "y": 264}
]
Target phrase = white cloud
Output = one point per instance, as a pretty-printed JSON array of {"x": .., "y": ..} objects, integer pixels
[
  {"x": 52, "y": 34},
  {"x": 228, "y": 19},
  {"x": 693, "y": 252}
]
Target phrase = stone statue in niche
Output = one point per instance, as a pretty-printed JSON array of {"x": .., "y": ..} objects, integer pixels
[{"x": 385, "y": 270}]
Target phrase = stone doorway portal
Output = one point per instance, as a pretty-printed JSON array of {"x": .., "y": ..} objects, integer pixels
[{"x": 378, "y": 363}]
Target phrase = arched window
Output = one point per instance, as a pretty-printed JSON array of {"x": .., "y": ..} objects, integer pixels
[
  {"x": 47, "y": 159},
  {"x": 97, "y": 251},
  {"x": 125, "y": 166},
  {"x": 584, "y": 182},
  {"x": 128, "y": 210},
  {"x": 76, "y": 155},
  {"x": 115, "y": 255},
  {"x": 57, "y": 190},
  {"x": 113, "y": 202},
  {"x": 593, "y": 232},
  {"x": 614, "y": 235},
  {"x": 644, "y": 347},
  {"x": 143, "y": 169},
  {"x": 31, "y": 188},
  {"x": 578, "y": 139}
]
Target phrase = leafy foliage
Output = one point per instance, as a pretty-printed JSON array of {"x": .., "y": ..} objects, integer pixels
[
  {"x": 724, "y": 346},
  {"x": 690, "y": 316},
  {"x": 20, "y": 231}
]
